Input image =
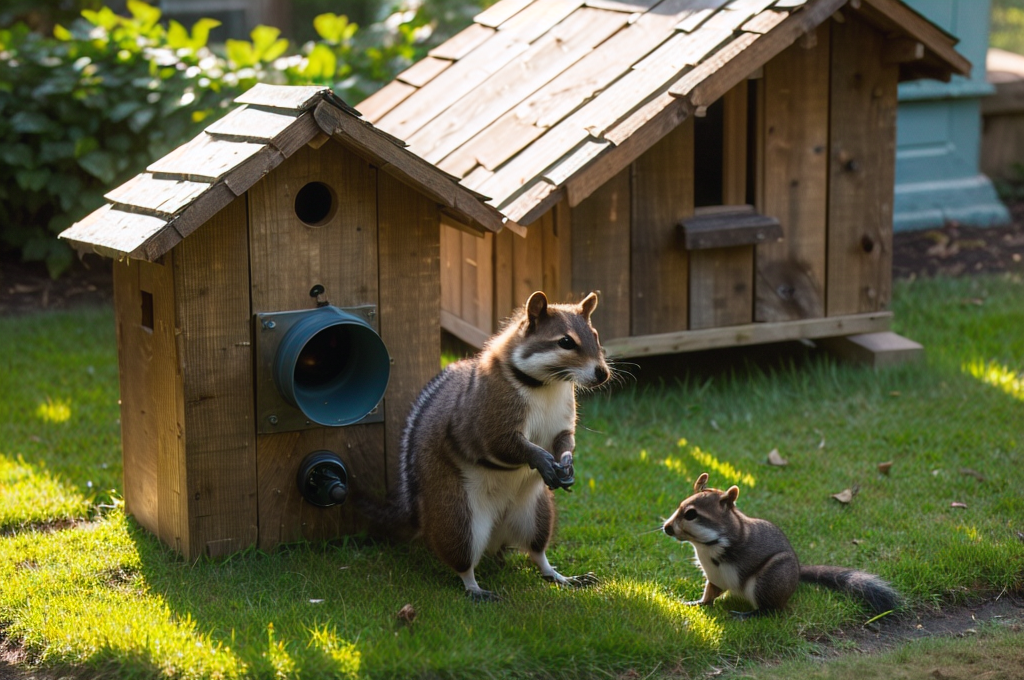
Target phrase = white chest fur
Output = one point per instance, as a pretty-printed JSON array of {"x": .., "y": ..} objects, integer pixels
[
  {"x": 551, "y": 410},
  {"x": 724, "y": 575}
]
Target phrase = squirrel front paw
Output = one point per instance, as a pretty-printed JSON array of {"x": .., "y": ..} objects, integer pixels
[{"x": 553, "y": 474}]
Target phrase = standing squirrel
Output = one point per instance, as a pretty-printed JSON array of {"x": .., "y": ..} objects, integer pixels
[
  {"x": 753, "y": 559},
  {"x": 491, "y": 436}
]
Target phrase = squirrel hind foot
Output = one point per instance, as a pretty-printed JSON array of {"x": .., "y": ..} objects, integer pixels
[
  {"x": 481, "y": 595},
  {"x": 582, "y": 581}
]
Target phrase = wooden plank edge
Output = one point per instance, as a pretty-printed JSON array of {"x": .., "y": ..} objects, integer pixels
[
  {"x": 463, "y": 330},
  {"x": 877, "y": 350},
  {"x": 708, "y": 90},
  {"x": 615, "y": 159},
  {"x": 407, "y": 167},
  {"x": 934, "y": 38},
  {"x": 748, "y": 334}
]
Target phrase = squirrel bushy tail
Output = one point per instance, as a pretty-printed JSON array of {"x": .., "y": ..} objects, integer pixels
[
  {"x": 873, "y": 590},
  {"x": 390, "y": 517}
]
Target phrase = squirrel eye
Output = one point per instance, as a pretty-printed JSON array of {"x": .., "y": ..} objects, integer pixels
[
  {"x": 690, "y": 515},
  {"x": 567, "y": 343}
]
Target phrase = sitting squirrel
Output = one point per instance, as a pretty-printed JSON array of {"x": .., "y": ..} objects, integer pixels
[{"x": 753, "y": 559}]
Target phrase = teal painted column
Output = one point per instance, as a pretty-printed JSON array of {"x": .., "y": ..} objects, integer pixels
[{"x": 938, "y": 133}]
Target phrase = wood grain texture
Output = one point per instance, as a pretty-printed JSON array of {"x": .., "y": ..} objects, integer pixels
[
  {"x": 734, "y": 145},
  {"x": 430, "y": 100},
  {"x": 407, "y": 167},
  {"x": 477, "y": 281},
  {"x": 600, "y": 243},
  {"x": 287, "y": 259},
  {"x": 423, "y": 71},
  {"x": 557, "y": 238},
  {"x": 747, "y": 334},
  {"x": 935, "y": 39},
  {"x": 214, "y": 332},
  {"x": 861, "y": 171},
  {"x": 285, "y": 517},
  {"x": 251, "y": 124},
  {"x": 377, "y": 105},
  {"x": 504, "y": 300},
  {"x": 549, "y": 56},
  {"x": 791, "y": 274},
  {"x": 721, "y": 287},
  {"x": 542, "y": 110},
  {"x": 528, "y": 261},
  {"x": 151, "y": 401},
  {"x": 410, "y": 293},
  {"x": 112, "y": 233},
  {"x": 289, "y": 97},
  {"x": 160, "y": 197},
  {"x": 662, "y": 196},
  {"x": 204, "y": 159},
  {"x": 167, "y": 396},
  {"x": 451, "y": 270}
]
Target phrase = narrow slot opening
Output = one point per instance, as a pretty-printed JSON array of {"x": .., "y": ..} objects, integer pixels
[
  {"x": 147, "y": 311},
  {"x": 708, "y": 136}
]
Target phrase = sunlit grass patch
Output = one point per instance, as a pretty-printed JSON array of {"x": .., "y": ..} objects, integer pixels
[
  {"x": 32, "y": 494},
  {"x": 51, "y": 411},
  {"x": 998, "y": 376},
  {"x": 78, "y": 596}
]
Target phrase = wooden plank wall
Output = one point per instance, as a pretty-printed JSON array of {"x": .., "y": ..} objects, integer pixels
[
  {"x": 211, "y": 275},
  {"x": 410, "y": 288},
  {"x": 287, "y": 258},
  {"x": 721, "y": 279},
  {"x": 662, "y": 195},
  {"x": 483, "y": 280},
  {"x": 862, "y": 170},
  {"x": 790, "y": 275},
  {"x": 151, "y": 401},
  {"x": 600, "y": 254}
]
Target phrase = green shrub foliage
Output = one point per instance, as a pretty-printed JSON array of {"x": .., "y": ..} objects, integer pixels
[{"x": 92, "y": 106}]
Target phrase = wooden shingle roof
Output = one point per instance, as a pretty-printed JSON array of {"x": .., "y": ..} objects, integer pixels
[
  {"x": 522, "y": 103},
  {"x": 153, "y": 212}
]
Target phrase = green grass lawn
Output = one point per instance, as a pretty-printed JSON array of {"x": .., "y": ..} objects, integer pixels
[{"x": 101, "y": 596}]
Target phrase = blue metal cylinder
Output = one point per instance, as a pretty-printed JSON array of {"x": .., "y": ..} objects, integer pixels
[{"x": 332, "y": 366}]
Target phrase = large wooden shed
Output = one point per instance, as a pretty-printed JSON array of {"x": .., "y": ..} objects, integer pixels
[
  {"x": 626, "y": 134},
  {"x": 271, "y": 277}
]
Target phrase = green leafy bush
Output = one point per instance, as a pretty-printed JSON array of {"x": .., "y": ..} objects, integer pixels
[{"x": 92, "y": 106}]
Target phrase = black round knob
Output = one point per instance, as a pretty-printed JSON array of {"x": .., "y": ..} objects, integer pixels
[{"x": 323, "y": 479}]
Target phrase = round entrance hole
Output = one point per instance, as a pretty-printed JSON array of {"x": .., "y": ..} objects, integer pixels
[{"x": 315, "y": 204}]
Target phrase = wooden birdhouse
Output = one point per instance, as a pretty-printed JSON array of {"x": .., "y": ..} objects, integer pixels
[
  {"x": 722, "y": 172},
  {"x": 277, "y": 290}
]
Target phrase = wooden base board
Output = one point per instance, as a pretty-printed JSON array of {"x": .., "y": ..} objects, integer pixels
[
  {"x": 878, "y": 350},
  {"x": 747, "y": 334}
]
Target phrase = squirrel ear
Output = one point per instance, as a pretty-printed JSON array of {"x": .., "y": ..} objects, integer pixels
[
  {"x": 536, "y": 307},
  {"x": 701, "y": 483},
  {"x": 588, "y": 305},
  {"x": 731, "y": 494}
]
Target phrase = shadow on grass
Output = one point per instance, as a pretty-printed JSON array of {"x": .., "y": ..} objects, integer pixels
[{"x": 331, "y": 610}]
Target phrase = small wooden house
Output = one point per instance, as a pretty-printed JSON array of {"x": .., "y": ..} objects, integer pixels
[
  {"x": 272, "y": 276},
  {"x": 722, "y": 171}
]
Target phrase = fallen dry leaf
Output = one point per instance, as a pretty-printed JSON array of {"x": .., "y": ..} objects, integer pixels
[
  {"x": 972, "y": 473},
  {"x": 846, "y": 495},
  {"x": 407, "y": 614},
  {"x": 956, "y": 504},
  {"x": 775, "y": 459},
  {"x": 884, "y": 467}
]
